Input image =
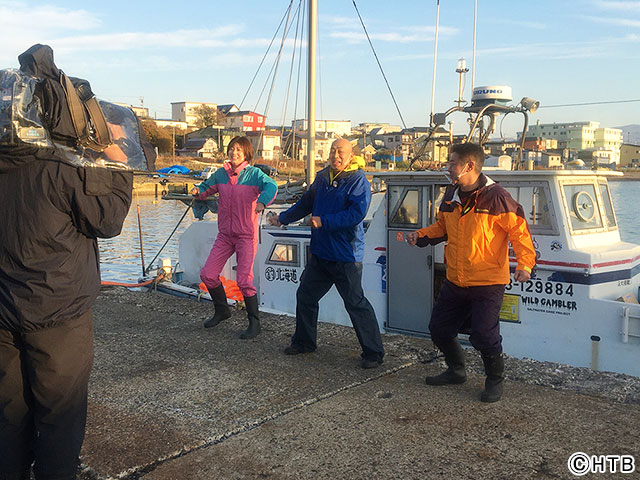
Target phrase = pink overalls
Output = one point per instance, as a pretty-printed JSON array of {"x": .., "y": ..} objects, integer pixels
[{"x": 238, "y": 192}]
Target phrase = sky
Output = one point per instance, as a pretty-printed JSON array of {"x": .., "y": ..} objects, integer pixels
[{"x": 152, "y": 53}]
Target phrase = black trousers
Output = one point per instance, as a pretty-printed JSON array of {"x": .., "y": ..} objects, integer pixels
[
  {"x": 43, "y": 399},
  {"x": 318, "y": 277},
  {"x": 455, "y": 305}
]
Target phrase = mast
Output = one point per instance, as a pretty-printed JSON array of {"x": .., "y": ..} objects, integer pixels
[
  {"x": 435, "y": 56},
  {"x": 311, "y": 93},
  {"x": 473, "y": 60}
]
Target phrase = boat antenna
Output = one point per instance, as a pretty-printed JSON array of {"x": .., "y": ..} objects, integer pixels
[
  {"x": 380, "y": 65},
  {"x": 435, "y": 57},
  {"x": 473, "y": 59}
]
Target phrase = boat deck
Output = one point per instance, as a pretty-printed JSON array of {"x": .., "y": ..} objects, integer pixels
[{"x": 171, "y": 400}]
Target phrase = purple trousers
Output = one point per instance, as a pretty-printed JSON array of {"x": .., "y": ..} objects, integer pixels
[
  {"x": 245, "y": 248},
  {"x": 456, "y": 305}
]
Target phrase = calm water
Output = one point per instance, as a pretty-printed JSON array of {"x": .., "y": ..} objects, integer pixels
[
  {"x": 120, "y": 256},
  {"x": 625, "y": 195}
]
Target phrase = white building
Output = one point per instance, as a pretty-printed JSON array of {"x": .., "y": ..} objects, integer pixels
[
  {"x": 341, "y": 128},
  {"x": 170, "y": 123},
  {"x": 186, "y": 111},
  {"x": 581, "y": 136},
  {"x": 265, "y": 143}
]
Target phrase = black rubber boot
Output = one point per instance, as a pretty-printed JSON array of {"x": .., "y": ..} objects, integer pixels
[
  {"x": 222, "y": 310},
  {"x": 254, "y": 319},
  {"x": 494, "y": 369},
  {"x": 455, "y": 374}
]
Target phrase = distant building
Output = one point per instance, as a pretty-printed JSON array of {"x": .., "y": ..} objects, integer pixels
[
  {"x": 299, "y": 151},
  {"x": 142, "y": 112},
  {"x": 578, "y": 135},
  {"x": 583, "y": 136},
  {"x": 630, "y": 155},
  {"x": 606, "y": 156},
  {"x": 540, "y": 144},
  {"x": 199, "y": 147},
  {"x": 222, "y": 136},
  {"x": 574, "y": 135},
  {"x": 170, "y": 123},
  {"x": 227, "y": 109},
  {"x": 367, "y": 153},
  {"x": 551, "y": 160},
  {"x": 341, "y": 128},
  {"x": 244, "y": 121},
  {"x": 186, "y": 111},
  {"x": 500, "y": 147},
  {"x": 367, "y": 127},
  {"x": 265, "y": 143}
]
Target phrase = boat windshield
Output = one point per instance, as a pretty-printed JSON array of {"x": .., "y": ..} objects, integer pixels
[
  {"x": 588, "y": 206},
  {"x": 536, "y": 202},
  {"x": 608, "y": 206}
]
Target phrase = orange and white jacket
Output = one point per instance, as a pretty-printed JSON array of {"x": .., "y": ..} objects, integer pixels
[{"x": 478, "y": 235}]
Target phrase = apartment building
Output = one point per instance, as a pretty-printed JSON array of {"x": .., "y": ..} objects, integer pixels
[
  {"x": 187, "y": 111},
  {"x": 340, "y": 128}
]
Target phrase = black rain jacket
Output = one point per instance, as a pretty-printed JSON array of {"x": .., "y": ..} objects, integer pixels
[{"x": 52, "y": 214}]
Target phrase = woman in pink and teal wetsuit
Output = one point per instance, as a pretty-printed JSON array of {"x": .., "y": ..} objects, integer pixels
[{"x": 243, "y": 192}]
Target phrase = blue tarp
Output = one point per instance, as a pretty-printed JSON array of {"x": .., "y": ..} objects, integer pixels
[
  {"x": 175, "y": 169},
  {"x": 386, "y": 157}
]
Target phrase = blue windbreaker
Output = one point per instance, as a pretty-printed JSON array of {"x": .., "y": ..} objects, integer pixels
[{"x": 341, "y": 206}]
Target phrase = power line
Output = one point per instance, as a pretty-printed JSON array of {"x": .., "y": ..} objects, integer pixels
[{"x": 589, "y": 103}]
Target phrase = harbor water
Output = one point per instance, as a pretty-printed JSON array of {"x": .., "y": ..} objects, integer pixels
[{"x": 121, "y": 260}]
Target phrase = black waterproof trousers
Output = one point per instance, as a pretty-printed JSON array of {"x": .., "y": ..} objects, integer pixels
[
  {"x": 455, "y": 305},
  {"x": 318, "y": 277},
  {"x": 43, "y": 399}
]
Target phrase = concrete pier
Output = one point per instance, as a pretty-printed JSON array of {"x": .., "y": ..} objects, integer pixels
[{"x": 172, "y": 400}]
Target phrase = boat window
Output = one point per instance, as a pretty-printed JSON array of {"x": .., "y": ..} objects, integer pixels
[
  {"x": 537, "y": 204},
  {"x": 608, "y": 207},
  {"x": 284, "y": 253},
  {"x": 581, "y": 202},
  {"x": 437, "y": 200},
  {"x": 404, "y": 205}
]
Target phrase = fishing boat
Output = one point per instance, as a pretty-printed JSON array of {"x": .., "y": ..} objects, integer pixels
[{"x": 579, "y": 307}]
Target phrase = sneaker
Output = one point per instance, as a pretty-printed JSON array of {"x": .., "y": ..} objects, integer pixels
[{"x": 366, "y": 363}]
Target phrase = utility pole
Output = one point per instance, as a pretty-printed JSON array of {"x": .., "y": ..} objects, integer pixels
[{"x": 173, "y": 144}]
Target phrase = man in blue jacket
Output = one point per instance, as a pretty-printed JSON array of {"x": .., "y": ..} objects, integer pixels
[{"x": 338, "y": 201}]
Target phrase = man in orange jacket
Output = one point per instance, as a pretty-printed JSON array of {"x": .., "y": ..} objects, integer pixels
[{"x": 478, "y": 218}]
